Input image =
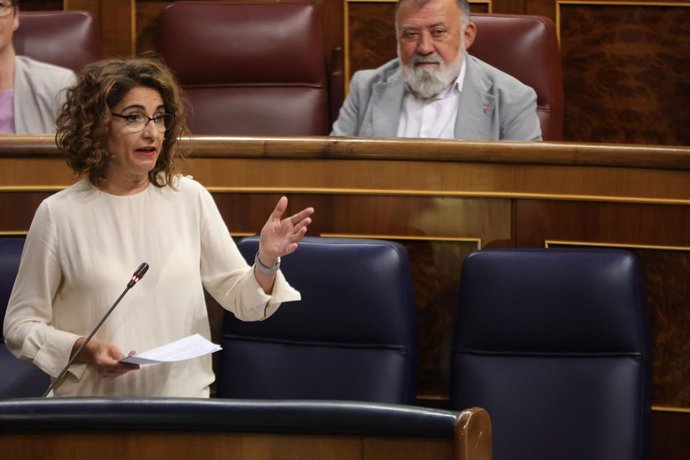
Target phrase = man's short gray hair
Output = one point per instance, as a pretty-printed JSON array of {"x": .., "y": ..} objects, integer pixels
[{"x": 463, "y": 5}]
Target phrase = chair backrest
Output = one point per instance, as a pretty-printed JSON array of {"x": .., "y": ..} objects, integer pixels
[
  {"x": 526, "y": 47},
  {"x": 353, "y": 336},
  {"x": 18, "y": 379},
  {"x": 65, "y": 38},
  {"x": 554, "y": 344},
  {"x": 249, "y": 68},
  {"x": 10, "y": 254}
]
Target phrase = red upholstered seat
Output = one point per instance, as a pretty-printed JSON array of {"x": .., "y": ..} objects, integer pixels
[
  {"x": 66, "y": 38},
  {"x": 249, "y": 68},
  {"x": 527, "y": 48}
]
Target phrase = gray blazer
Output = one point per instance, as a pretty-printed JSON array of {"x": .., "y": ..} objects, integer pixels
[
  {"x": 38, "y": 94},
  {"x": 493, "y": 105}
]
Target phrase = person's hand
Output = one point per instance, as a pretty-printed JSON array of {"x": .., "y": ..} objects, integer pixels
[
  {"x": 280, "y": 237},
  {"x": 105, "y": 356}
]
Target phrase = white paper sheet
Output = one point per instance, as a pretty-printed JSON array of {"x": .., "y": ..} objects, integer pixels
[{"x": 189, "y": 347}]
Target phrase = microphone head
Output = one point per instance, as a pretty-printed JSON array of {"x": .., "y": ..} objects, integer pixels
[
  {"x": 141, "y": 271},
  {"x": 138, "y": 275}
]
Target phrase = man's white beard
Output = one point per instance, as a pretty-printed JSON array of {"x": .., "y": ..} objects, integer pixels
[{"x": 429, "y": 81}]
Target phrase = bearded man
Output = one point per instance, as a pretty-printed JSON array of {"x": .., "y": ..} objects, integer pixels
[{"x": 435, "y": 89}]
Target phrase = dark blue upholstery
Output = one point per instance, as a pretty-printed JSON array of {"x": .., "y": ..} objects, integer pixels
[
  {"x": 255, "y": 416},
  {"x": 554, "y": 344},
  {"x": 352, "y": 337},
  {"x": 17, "y": 378}
]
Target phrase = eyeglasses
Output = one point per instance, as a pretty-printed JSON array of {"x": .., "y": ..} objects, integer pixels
[
  {"x": 137, "y": 122},
  {"x": 6, "y": 8}
]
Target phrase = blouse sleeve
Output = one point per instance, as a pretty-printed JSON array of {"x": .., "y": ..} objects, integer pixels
[
  {"x": 228, "y": 277},
  {"x": 27, "y": 329}
]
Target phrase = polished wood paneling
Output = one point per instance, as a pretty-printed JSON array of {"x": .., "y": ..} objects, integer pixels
[
  {"x": 370, "y": 23},
  {"x": 334, "y": 448},
  {"x": 436, "y": 275},
  {"x": 186, "y": 445},
  {"x": 668, "y": 297},
  {"x": 40, "y": 5},
  {"x": 419, "y": 449},
  {"x": 608, "y": 223},
  {"x": 670, "y": 432},
  {"x": 17, "y": 210},
  {"x": 116, "y": 20},
  {"x": 625, "y": 72},
  {"x": 147, "y": 15}
]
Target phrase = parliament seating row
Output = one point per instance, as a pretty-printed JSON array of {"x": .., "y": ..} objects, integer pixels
[
  {"x": 260, "y": 68},
  {"x": 553, "y": 343},
  {"x": 290, "y": 398}
]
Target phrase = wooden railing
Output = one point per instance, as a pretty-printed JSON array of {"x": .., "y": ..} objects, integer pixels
[{"x": 170, "y": 428}]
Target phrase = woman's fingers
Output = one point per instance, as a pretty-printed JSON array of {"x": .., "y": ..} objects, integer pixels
[{"x": 301, "y": 216}]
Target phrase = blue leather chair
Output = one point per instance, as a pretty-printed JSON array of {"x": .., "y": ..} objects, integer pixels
[
  {"x": 17, "y": 378},
  {"x": 554, "y": 344},
  {"x": 353, "y": 336}
]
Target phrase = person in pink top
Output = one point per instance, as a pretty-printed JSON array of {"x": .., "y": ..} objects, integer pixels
[{"x": 31, "y": 91}]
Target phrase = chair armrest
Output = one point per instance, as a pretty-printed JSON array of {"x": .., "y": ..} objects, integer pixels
[{"x": 473, "y": 435}]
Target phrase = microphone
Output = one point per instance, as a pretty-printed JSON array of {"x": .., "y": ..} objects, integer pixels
[{"x": 138, "y": 275}]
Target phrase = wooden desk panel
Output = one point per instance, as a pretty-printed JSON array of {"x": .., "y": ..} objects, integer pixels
[
  {"x": 184, "y": 428},
  {"x": 217, "y": 446}
]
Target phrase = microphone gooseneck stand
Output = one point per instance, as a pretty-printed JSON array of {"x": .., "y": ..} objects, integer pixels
[{"x": 138, "y": 274}]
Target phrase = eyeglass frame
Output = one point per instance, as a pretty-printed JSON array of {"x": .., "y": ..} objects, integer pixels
[
  {"x": 7, "y": 8},
  {"x": 171, "y": 117}
]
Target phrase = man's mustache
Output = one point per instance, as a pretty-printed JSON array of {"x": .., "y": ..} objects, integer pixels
[{"x": 428, "y": 59}]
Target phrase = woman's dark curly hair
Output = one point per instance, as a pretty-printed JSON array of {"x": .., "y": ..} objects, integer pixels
[{"x": 82, "y": 126}]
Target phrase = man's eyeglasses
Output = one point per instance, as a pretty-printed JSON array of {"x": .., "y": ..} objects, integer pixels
[
  {"x": 137, "y": 122},
  {"x": 6, "y": 8}
]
